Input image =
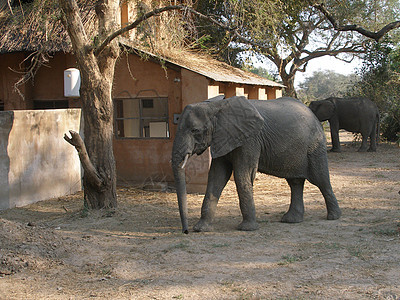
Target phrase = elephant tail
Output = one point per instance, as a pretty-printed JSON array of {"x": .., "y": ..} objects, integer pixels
[{"x": 378, "y": 128}]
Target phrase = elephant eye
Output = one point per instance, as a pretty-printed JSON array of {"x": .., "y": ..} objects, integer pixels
[{"x": 196, "y": 131}]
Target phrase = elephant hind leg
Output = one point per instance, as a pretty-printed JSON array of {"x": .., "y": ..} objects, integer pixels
[
  {"x": 331, "y": 203},
  {"x": 295, "y": 213},
  {"x": 364, "y": 143},
  {"x": 373, "y": 140},
  {"x": 321, "y": 179}
]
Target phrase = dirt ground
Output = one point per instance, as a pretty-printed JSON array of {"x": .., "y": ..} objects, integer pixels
[{"x": 56, "y": 250}]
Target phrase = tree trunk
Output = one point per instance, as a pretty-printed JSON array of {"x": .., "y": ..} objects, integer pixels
[
  {"x": 98, "y": 130},
  {"x": 288, "y": 81},
  {"x": 96, "y": 153},
  {"x": 97, "y": 74},
  {"x": 287, "y": 77}
]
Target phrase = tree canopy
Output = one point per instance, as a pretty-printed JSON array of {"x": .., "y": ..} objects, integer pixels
[
  {"x": 324, "y": 84},
  {"x": 380, "y": 81},
  {"x": 291, "y": 33}
]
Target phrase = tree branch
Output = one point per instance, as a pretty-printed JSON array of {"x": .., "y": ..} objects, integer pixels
[
  {"x": 36, "y": 59},
  {"x": 91, "y": 173},
  {"x": 73, "y": 24},
  {"x": 370, "y": 34},
  {"x": 321, "y": 53},
  {"x": 81, "y": 44},
  {"x": 157, "y": 11},
  {"x": 136, "y": 23}
]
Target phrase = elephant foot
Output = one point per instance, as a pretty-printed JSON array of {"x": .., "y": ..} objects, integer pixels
[
  {"x": 202, "y": 226},
  {"x": 335, "y": 150},
  {"x": 362, "y": 150},
  {"x": 334, "y": 214},
  {"x": 371, "y": 150},
  {"x": 248, "y": 226},
  {"x": 291, "y": 217}
]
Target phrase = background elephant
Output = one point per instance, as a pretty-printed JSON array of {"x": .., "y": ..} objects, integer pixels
[
  {"x": 358, "y": 115},
  {"x": 278, "y": 137}
]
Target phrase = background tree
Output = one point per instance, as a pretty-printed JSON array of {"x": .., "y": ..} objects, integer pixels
[
  {"x": 380, "y": 81},
  {"x": 380, "y": 11},
  {"x": 260, "y": 71},
  {"x": 323, "y": 84},
  {"x": 215, "y": 39},
  {"x": 291, "y": 33}
]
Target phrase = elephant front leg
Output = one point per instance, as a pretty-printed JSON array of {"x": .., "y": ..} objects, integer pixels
[
  {"x": 335, "y": 137},
  {"x": 218, "y": 176},
  {"x": 295, "y": 213},
  {"x": 244, "y": 184}
]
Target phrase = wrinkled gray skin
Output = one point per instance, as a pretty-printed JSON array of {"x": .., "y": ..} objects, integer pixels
[
  {"x": 278, "y": 137},
  {"x": 358, "y": 115}
]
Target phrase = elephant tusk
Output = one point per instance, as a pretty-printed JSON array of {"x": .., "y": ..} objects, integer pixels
[{"x": 185, "y": 161}]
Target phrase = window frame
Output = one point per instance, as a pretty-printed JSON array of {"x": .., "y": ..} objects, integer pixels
[{"x": 141, "y": 118}]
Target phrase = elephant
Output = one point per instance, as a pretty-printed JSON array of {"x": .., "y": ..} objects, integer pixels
[
  {"x": 358, "y": 115},
  {"x": 279, "y": 137}
]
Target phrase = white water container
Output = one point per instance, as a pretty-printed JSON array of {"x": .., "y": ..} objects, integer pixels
[{"x": 72, "y": 83}]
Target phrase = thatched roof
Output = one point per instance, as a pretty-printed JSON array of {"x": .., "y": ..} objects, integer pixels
[
  {"x": 36, "y": 26},
  {"x": 218, "y": 71}
]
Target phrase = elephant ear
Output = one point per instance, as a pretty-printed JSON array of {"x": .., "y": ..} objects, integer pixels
[
  {"x": 235, "y": 123},
  {"x": 329, "y": 109}
]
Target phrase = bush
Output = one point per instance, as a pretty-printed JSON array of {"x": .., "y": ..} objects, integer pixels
[
  {"x": 380, "y": 82},
  {"x": 390, "y": 128}
]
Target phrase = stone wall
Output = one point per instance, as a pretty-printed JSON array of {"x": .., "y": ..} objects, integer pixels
[{"x": 36, "y": 163}]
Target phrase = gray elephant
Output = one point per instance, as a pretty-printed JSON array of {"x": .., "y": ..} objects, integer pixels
[
  {"x": 358, "y": 115},
  {"x": 278, "y": 137}
]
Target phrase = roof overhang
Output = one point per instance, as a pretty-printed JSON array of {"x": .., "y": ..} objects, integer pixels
[{"x": 208, "y": 67}]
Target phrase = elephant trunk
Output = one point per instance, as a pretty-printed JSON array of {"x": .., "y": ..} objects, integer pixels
[
  {"x": 180, "y": 154},
  {"x": 180, "y": 181}
]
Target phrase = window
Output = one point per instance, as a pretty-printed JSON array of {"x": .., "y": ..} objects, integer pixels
[
  {"x": 141, "y": 118},
  {"x": 50, "y": 104}
]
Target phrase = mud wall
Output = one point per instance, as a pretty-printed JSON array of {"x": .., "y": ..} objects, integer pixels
[{"x": 36, "y": 163}]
